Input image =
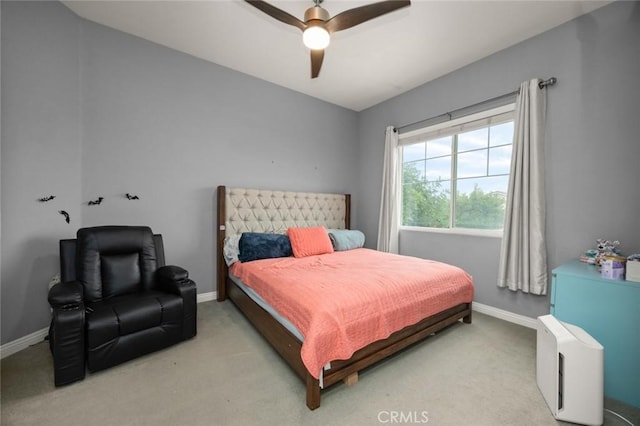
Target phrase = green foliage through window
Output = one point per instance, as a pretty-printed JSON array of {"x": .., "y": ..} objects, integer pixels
[
  {"x": 424, "y": 203},
  {"x": 479, "y": 210}
]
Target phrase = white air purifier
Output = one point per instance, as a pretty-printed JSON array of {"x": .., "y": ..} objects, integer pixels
[{"x": 569, "y": 371}]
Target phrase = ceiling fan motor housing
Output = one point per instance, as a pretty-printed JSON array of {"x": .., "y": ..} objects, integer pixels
[{"x": 316, "y": 13}]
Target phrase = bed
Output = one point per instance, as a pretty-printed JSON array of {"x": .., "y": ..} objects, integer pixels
[{"x": 242, "y": 210}]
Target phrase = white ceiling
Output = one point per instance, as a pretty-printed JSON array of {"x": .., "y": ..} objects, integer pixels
[{"x": 364, "y": 65}]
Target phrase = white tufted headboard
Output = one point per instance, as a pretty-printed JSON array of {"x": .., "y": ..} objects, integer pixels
[{"x": 258, "y": 210}]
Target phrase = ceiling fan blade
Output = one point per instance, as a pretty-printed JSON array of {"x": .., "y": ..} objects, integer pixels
[
  {"x": 358, "y": 15},
  {"x": 278, "y": 14},
  {"x": 317, "y": 55}
]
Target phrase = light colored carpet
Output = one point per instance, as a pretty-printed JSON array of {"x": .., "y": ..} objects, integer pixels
[{"x": 477, "y": 374}]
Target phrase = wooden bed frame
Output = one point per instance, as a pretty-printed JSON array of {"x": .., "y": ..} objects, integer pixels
[{"x": 289, "y": 346}]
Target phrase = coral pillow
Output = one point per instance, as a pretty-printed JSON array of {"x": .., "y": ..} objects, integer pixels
[{"x": 309, "y": 241}]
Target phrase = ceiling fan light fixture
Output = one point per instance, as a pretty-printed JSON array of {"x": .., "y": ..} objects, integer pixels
[
  {"x": 316, "y": 37},
  {"x": 318, "y": 25}
]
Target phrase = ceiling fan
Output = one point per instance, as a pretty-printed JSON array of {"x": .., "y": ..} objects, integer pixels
[{"x": 317, "y": 25}]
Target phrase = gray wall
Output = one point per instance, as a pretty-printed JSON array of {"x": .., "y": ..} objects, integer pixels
[
  {"x": 40, "y": 155},
  {"x": 592, "y": 150},
  {"x": 169, "y": 128},
  {"x": 89, "y": 111}
]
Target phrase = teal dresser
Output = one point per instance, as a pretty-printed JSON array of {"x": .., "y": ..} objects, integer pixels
[{"x": 609, "y": 310}]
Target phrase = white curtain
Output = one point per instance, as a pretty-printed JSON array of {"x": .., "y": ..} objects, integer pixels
[
  {"x": 389, "y": 202},
  {"x": 523, "y": 255}
]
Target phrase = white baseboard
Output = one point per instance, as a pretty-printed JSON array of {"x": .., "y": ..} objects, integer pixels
[
  {"x": 504, "y": 315},
  {"x": 24, "y": 342},
  {"x": 207, "y": 297}
]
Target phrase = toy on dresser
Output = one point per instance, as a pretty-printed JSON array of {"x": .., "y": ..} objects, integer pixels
[{"x": 603, "y": 248}]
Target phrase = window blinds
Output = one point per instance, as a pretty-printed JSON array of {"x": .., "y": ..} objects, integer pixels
[{"x": 459, "y": 125}]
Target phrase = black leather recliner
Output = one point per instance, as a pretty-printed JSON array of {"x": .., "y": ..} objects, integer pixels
[{"x": 116, "y": 301}]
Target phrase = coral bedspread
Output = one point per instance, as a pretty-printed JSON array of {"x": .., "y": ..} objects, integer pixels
[{"x": 344, "y": 301}]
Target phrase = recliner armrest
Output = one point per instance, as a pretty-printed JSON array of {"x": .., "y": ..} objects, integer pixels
[
  {"x": 69, "y": 295},
  {"x": 172, "y": 273},
  {"x": 174, "y": 279},
  {"x": 66, "y": 334}
]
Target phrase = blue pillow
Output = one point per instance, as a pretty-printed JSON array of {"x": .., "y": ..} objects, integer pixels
[
  {"x": 255, "y": 245},
  {"x": 346, "y": 239}
]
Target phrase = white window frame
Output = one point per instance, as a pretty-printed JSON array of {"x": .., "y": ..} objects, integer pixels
[{"x": 466, "y": 123}]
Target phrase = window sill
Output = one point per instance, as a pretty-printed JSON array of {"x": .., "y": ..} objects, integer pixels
[{"x": 497, "y": 233}]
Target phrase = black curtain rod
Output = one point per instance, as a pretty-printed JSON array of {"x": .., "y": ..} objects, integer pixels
[{"x": 544, "y": 83}]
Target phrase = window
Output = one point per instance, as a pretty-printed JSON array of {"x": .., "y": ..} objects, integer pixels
[{"x": 455, "y": 174}]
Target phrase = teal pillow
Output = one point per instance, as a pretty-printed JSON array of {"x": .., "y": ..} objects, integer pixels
[{"x": 346, "y": 239}]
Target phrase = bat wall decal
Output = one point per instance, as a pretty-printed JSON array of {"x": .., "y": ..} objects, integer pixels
[
  {"x": 45, "y": 199},
  {"x": 66, "y": 215},
  {"x": 95, "y": 202},
  {"x": 132, "y": 197}
]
